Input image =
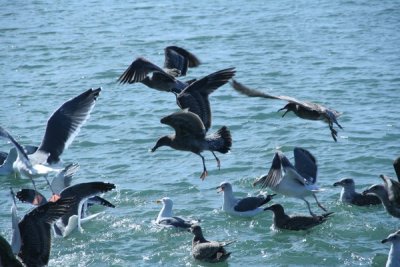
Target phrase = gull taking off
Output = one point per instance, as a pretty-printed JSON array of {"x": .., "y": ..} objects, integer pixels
[
  {"x": 296, "y": 181},
  {"x": 245, "y": 207},
  {"x": 303, "y": 109}
]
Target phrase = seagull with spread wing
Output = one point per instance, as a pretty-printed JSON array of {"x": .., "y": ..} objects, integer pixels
[
  {"x": 177, "y": 61},
  {"x": 296, "y": 181},
  {"x": 190, "y": 135},
  {"x": 303, "y": 109}
]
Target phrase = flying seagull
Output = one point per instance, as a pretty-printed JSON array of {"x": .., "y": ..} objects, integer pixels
[
  {"x": 62, "y": 127},
  {"x": 303, "y": 109},
  {"x": 8, "y": 159},
  {"x": 297, "y": 181},
  {"x": 177, "y": 61},
  {"x": 195, "y": 96},
  {"x": 350, "y": 196},
  {"x": 246, "y": 206},
  {"x": 394, "y": 253},
  {"x": 190, "y": 135},
  {"x": 82, "y": 193},
  {"x": 295, "y": 222},
  {"x": 165, "y": 217},
  {"x": 209, "y": 251},
  {"x": 388, "y": 193}
]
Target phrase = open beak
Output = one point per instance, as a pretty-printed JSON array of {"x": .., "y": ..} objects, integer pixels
[{"x": 219, "y": 189}]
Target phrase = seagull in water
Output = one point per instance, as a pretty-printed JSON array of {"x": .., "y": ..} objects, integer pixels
[
  {"x": 245, "y": 207},
  {"x": 32, "y": 236},
  {"x": 350, "y": 196},
  {"x": 177, "y": 61},
  {"x": 297, "y": 181},
  {"x": 209, "y": 251},
  {"x": 388, "y": 193},
  {"x": 296, "y": 223},
  {"x": 190, "y": 135},
  {"x": 62, "y": 127},
  {"x": 83, "y": 193},
  {"x": 394, "y": 253},
  {"x": 303, "y": 109},
  {"x": 166, "y": 219}
]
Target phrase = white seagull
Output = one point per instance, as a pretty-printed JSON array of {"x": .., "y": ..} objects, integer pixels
[
  {"x": 62, "y": 127},
  {"x": 296, "y": 181},
  {"x": 245, "y": 207},
  {"x": 166, "y": 218},
  {"x": 394, "y": 253}
]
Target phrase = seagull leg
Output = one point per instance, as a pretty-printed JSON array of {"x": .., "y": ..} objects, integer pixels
[
  {"x": 309, "y": 208},
  {"x": 48, "y": 183},
  {"x": 319, "y": 204},
  {"x": 333, "y": 131},
  {"x": 205, "y": 173},
  {"x": 217, "y": 159}
]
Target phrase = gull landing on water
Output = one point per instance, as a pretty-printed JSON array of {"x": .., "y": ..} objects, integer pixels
[
  {"x": 245, "y": 207},
  {"x": 296, "y": 181},
  {"x": 302, "y": 109}
]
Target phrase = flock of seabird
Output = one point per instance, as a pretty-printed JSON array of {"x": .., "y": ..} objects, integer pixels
[{"x": 67, "y": 207}]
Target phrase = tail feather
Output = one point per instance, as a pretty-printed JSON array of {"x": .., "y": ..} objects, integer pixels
[{"x": 220, "y": 141}]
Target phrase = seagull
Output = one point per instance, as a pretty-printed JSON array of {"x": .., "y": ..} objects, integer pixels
[
  {"x": 190, "y": 135},
  {"x": 82, "y": 193},
  {"x": 296, "y": 223},
  {"x": 195, "y": 96},
  {"x": 296, "y": 181},
  {"x": 62, "y": 127},
  {"x": 388, "y": 193},
  {"x": 394, "y": 253},
  {"x": 166, "y": 219},
  {"x": 245, "y": 207},
  {"x": 33, "y": 240},
  {"x": 177, "y": 61},
  {"x": 209, "y": 251},
  {"x": 7, "y": 257},
  {"x": 303, "y": 109},
  {"x": 350, "y": 196},
  {"x": 8, "y": 159}
]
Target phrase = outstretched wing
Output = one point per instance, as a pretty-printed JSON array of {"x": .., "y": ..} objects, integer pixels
[
  {"x": 305, "y": 164},
  {"x": 180, "y": 59},
  {"x": 274, "y": 176},
  {"x": 65, "y": 123},
  {"x": 185, "y": 123}
]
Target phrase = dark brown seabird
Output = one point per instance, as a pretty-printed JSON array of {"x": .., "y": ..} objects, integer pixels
[
  {"x": 195, "y": 96},
  {"x": 209, "y": 251},
  {"x": 350, "y": 196},
  {"x": 190, "y": 135},
  {"x": 177, "y": 61},
  {"x": 303, "y": 109},
  {"x": 296, "y": 223},
  {"x": 388, "y": 193}
]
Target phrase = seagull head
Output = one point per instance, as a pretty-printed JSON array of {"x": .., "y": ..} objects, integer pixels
[
  {"x": 394, "y": 238},
  {"x": 224, "y": 186},
  {"x": 163, "y": 141},
  {"x": 345, "y": 182}
]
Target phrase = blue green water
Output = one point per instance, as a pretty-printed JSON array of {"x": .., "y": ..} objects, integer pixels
[{"x": 344, "y": 54}]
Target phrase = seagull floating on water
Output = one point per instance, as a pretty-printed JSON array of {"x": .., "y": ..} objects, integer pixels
[
  {"x": 388, "y": 193},
  {"x": 165, "y": 217},
  {"x": 296, "y": 223},
  {"x": 296, "y": 181},
  {"x": 350, "y": 196},
  {"x": 303, "y": 109},
  {"x": 245, "y": 207},
  {"x": 83, "y": 193},
  {"x": 394, "y": 253},
  {"x": 177, "y": 62},
  {"x": 209, "y": 251},
  {"x": 190, "y": 135},
  {"x": 62, "y": 127}
]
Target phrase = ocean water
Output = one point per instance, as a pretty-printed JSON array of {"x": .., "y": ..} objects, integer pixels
[{"x": 343, "y": 54}]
